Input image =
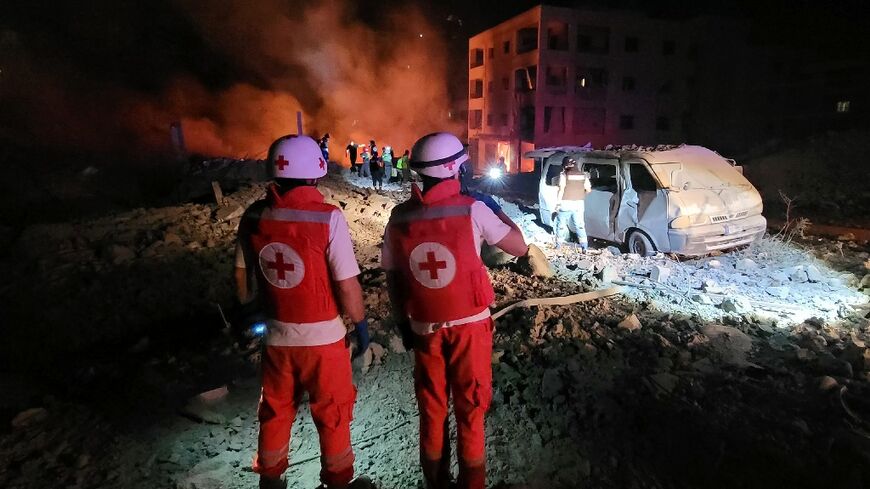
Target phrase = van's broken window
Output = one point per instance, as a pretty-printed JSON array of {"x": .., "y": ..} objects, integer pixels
[
  {"x": 601, "y": 176},
  {"x": 553, "y": 172},
  {"x": 641, "y": 180}
]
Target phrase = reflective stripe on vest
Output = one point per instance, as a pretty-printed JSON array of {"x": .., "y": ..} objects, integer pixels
[{"x": 296, "y": 215}]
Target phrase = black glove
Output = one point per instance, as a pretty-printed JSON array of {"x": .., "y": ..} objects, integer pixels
[
  {"x": 407, "y": 334},
  {"x": 554, "y": 215}
]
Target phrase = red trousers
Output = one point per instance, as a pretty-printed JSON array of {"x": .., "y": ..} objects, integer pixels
[
  {"x": 325, "y": 373},
  {"x": 457, "y": 361}
]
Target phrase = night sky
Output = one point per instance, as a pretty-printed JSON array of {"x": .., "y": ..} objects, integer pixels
[{"x": 130, "y": 49}]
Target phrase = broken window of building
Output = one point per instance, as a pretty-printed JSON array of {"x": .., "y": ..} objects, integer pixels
[
  {"x": 591, "y": 83},
  {"x": 595, "y": 40},
  {"x": 554, "y": 119},
  {"x": 557, "y": 36},
  {"x": 668, "y": 47},
  {"x": 527, "y": 40},
  {"x": 525, "y": 78},
  {"x": 641, "y": 179},
  {"x": 557, "y": 76},
  {"x": 506, "y": 47},
  {"x": 626, "y": 122},
  {"x": 628, "y": 83},
  {"x": 632, "y": 44},
  {"x": 663, "y": 123},
  {"x": 475, "y": 88},
  {"x": 527, "y": 122},
  {"x": 589, "y": 120},
  {"x": 475, "y": 58},
  {"x": 475, "y": 119}
]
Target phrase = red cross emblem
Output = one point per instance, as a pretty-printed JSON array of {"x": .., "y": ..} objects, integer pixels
[
  {"x": 450, "y": 165},
  {"x": 281, "y": 163},
  {"x": 433, "y": 265},
  {"x": 281, "y": 266},
  {"x": 322, "y": 163}
]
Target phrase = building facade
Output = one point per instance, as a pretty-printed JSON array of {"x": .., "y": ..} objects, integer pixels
[{"x": 558, "y": 76}]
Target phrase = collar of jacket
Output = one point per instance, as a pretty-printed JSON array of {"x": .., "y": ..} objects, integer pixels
[
  {"x": 440, "y": 191},
  {"x": 304, "y": 194}
]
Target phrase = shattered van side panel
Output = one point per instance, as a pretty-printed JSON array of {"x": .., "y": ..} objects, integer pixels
[{"x": 643, "y": 210}]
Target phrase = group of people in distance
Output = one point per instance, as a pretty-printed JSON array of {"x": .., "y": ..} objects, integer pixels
[{"x": 378, "y": 165}]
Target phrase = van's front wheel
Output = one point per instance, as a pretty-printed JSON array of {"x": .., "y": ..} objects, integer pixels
[{"x": 638, "y": 242}]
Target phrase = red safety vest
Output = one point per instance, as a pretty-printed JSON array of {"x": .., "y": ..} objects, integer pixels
[
  {"x": 433, "y": 247},
  {"x": 290, "y": 241}
]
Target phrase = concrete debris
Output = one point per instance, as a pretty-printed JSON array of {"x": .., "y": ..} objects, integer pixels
[
  {"x": 660, "y": 274},
  {"x": 780, "y": 292},
  {"x": 745, "y": 265},
  {"x": 799, "y": 275},
  {"x": 827, "y": 383},
  {"x": 630, "y": 323},
  {"x": 396, "y": 345},
  {"x": 121, "y": 254},
  {"x": 29, "y": 417},
  {"x": 229, "y": 213},
  {"x": 608, "y": 274},
  {"x": 213, "y": 396},
  {"x": 702, "y": 299},
  {"x": 714, "y": 264}
]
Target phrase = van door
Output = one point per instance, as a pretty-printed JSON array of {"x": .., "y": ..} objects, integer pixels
[
  {"x": 548, "y": 189},
  {"x": 643, "y": 205},
  {"x": 602, "y": 202}
]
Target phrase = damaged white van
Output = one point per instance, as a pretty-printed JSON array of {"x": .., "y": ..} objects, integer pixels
[{"x": 686, "y": 200}]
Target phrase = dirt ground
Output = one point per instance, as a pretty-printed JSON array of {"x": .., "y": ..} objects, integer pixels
[{"x": 747, "y": 369}]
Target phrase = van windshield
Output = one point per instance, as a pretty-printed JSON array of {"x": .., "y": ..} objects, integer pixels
[{"x": 699, "y": 172}]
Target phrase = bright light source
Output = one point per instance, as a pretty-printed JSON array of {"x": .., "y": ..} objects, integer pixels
[
  {"x": 258, "y": 329},
  {"x": 583, "y": 82},
  {"x": 843, "y": 106},
  {"x": 495, "y": 173},
  {"x": 421, "y": 35}
]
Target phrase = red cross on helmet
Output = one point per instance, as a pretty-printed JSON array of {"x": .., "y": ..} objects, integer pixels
[
  {"x": 438, "y": 155},
  {"x": 296, "y": 157}
]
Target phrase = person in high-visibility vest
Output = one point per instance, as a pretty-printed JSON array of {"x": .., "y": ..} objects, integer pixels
[
  {"x": 570, "y": 203},
  {"x": 295, "y": 251}
]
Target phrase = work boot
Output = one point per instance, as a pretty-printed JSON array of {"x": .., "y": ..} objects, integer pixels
[
  {"x": 436, "y": 475},
  {"x": 272, "y": 482}
]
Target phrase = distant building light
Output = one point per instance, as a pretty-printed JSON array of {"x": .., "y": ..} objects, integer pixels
[
  {"x": 421, "y": 35},
  {"x": 843, "y": 106},
  {"x": 583, "y": 82}
]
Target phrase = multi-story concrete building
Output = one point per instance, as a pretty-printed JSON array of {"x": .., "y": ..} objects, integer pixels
[{"x": 554, "y": 76}]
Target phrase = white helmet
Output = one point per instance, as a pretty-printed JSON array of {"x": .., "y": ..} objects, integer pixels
[
  {"x": 296, "y": 157},
  {"x": 438, "y": 155}
]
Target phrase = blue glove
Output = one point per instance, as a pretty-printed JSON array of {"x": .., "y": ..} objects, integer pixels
[{"x": 360, "y": 335}]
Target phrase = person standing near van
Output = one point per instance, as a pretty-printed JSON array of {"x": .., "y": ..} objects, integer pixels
[{"x": 570, "y": 203}]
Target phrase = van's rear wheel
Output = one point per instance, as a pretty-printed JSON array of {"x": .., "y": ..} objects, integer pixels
[{"x": 638, "y": 242}]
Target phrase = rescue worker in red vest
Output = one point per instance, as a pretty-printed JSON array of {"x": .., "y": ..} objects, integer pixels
[
  {"x": 570, "y": 203},
  {"x": 441, "y": 293},
  {"x": 295, "y": 256}
]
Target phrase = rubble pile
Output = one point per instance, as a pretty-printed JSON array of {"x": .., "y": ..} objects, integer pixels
[{"x": 703, "y": 373}]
